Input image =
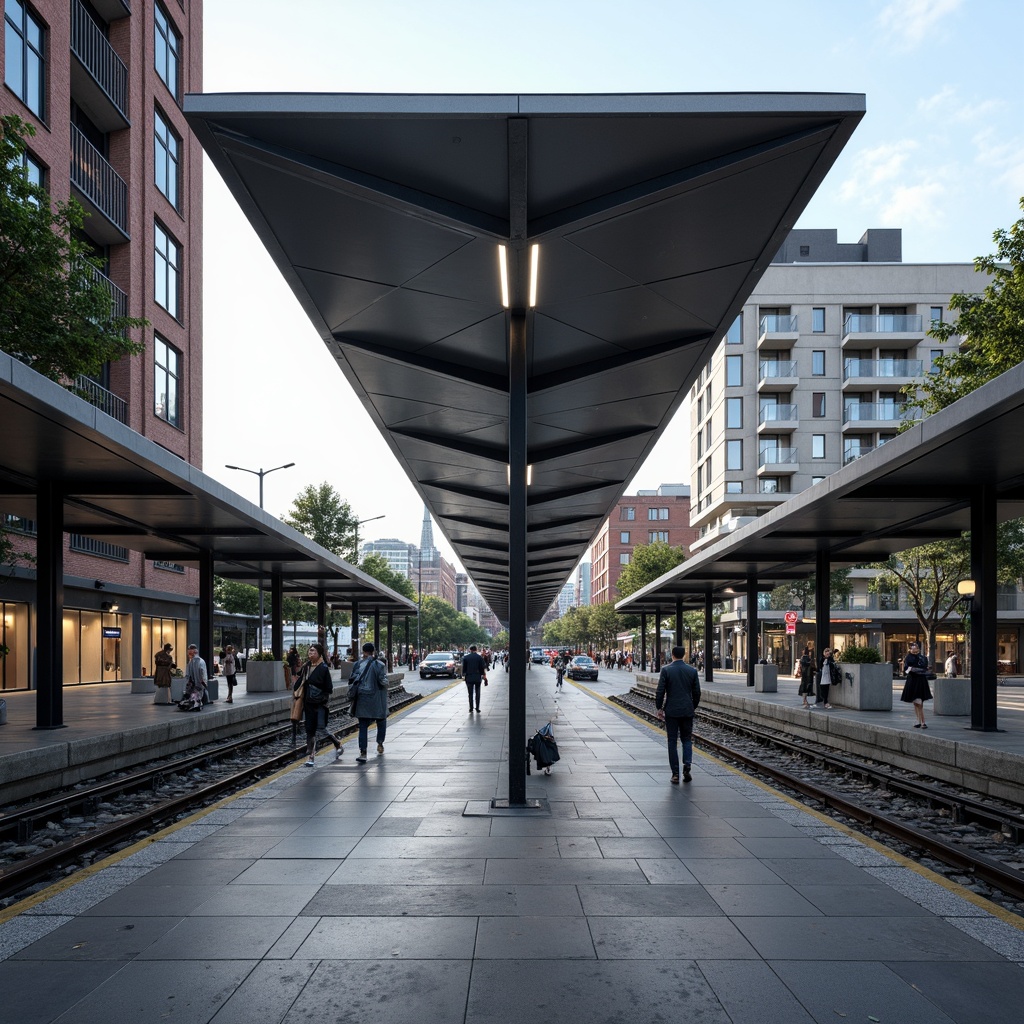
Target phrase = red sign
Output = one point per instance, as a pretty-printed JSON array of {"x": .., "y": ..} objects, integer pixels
[
  {"x": 791, "y": 618},
  {"x": 790, "y": 628}
]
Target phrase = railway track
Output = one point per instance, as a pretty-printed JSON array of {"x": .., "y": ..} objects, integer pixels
[
  {"x": 953, "y": 806},
  {"x": 20, "y": 823}
]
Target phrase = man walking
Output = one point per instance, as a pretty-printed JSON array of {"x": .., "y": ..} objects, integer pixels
[
  {"x": 474, "y": 671},
  {"x": 368, "y": 688},
  {"x": 676, "y": 700}
]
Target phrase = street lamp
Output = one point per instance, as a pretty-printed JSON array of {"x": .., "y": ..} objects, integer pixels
[
  {"x": 261, "y": 473},
  {"x": 359, "y": 522}
]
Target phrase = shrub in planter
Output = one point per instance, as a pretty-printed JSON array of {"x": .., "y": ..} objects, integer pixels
[
  {"x": 857, "y": 655},
  {"x": 262, "y": 656}
]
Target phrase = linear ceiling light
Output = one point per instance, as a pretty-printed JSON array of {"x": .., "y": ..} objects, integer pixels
[
  {"x": 534, "y": 258},
  {"x": 503, "y": 271},
  {"x": 529, "y": 473}
]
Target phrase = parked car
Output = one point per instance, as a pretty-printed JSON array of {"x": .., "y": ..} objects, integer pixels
[
  {"x": 440, "y": 663},
  {"x": 582, "y": 667},
  {"x": 537, "y": 655}
]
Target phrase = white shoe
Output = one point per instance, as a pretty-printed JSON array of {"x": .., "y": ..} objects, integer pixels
[
  {"x": 309, "y": 762},
  {"x": 338, "y": 753}
]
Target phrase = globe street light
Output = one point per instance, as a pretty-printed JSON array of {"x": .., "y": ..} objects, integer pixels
[{"x": 261, "y": 473}]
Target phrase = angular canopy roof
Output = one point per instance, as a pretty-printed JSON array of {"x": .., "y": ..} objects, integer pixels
[{"x": 655, "y": 215}]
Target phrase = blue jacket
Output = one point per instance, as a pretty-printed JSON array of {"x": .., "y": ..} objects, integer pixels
[{"x": 371, "y": 698}]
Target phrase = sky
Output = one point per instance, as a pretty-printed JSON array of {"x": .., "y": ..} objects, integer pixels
[{"x": 940, "y": 154}]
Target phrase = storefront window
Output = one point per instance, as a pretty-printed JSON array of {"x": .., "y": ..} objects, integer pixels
[
  {"x": 15, "y": 638},
  {"x": 1006, "y": 653},
  {"x": 155, "y": 633},
  {"x": 97, "y": 647}
]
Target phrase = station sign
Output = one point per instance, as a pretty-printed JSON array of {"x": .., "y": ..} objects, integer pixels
[{"x": 111, "y": 632}]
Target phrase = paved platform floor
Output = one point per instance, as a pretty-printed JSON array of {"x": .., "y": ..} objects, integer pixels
[{"x": 364, "y": 893}]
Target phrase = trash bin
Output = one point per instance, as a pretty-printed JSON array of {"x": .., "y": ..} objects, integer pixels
[{"x": 3, "y": 712}]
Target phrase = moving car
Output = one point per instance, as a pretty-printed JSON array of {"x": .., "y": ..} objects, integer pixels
[
  {"x": 440, "y": 663},
  {"x": 537, "y": 655},
  {"x": 582, "y": 667}
]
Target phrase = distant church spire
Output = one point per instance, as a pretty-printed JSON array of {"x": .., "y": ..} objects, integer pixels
[{"x": 428, "y": 552}]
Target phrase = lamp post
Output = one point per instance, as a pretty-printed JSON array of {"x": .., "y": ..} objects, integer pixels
[
  {"x": 966, "y": 589},
  {"x": 261, "y": 473},
  {"x": 359, "y": 522}
]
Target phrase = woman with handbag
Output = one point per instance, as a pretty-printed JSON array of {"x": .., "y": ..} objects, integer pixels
[
  {"x": 805, "y": 673},
  {"x": 916, "y": 689},
  {"x": 317, "y": 686},
  {"x": 827, "y": 672}
]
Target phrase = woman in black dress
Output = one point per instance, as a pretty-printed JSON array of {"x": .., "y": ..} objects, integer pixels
[
  {"x": 805, "y": 670},
  {"x": 916, "y": 690},
  {"x": 316, "y": 679}
]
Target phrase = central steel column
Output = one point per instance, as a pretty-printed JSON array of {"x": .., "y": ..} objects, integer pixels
[
  {"x": 822, "y": 606},
  {"x": 984, "y": 680},
  {"x": 206, "y": 608},
  {"x": 752, "y": 630},
  {"x": 49, "y": 607},
  {"x": 277, "y": 611},
  {"x": 709, "y": 636}
]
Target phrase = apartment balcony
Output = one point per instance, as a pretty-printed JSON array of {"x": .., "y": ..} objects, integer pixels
[
  {"x": 892, "y": 330},
  {"x": 119, "y": 299},
  {"x": 101, "y": 190},
  {"x": 861, "y": 416},
  {"x": 97, "y": 395},
  {"x": 776, "y": 331},
  {"x": 99, "y": 78},
  {"x": 774, "y": 461},
  {"x": 882, "y": 373},
  {"x": 778, "y": 419},
  {"x": 776, "y": 375}
]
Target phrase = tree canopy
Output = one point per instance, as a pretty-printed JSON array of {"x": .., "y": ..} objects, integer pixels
[
  {"x": 801, "y": 593},
  {"x": 990, "y": 324},
  {"x": 57, "y": 314},
  {"x": 649, "y": 561},
  {"x": 325, "y": 517},
  {"x": 376, "y": 565},
  {"x": 443, "y": 628}
]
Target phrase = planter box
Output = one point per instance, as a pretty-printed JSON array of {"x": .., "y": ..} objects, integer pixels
[
  {"x": 766, "y": 679},
  {"x": 951, "y": 696},
  {"x": 265, "y": 677},
  {"x": 177, "y": 688},
  {"x": 864, "y": 688},
  {"x": 144, "y": 685}
]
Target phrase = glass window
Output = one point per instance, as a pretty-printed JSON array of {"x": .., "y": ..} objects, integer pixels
[
  {"x": 734, "y": 336},
  {"x": 700, "y": 408},
  {"x": 624, "y": 536},
  {"x": 166, "y": 377},
  {"x": 818, "y": 319},
  {"x": 734, "y": 487},
  {"x": 656, "y": 535},
  {"x": 734, "y": 412},
  {"x": 166, "y": 47},
  {"x": 733, "y": 371},
  {"x": 733, "y": 454},
  {"x": 936, "y": 314},
  {"x": 165, "y": 269},
  {"x": 818, "y": 404},
  {"x": 629, "y": 512},
  {"x": 818, "y": 363},
  {"x": 935, "y": 354},
  {"x": 817, "y": 446},
  {"x": 165, "y": 158},
  {"x": 816, "y": 479},
  {"x": 623, "y": 558},
  {"x": 25, "y": 67},
  {"x": 768, "y": 485}
]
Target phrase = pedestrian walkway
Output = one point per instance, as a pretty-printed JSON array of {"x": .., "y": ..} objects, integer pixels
[{"x": 366, "y": 893}]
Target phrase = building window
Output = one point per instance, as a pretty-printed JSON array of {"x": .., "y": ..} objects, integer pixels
[
  {"x": 700, "y": 408},
  {"x": 818, "y": 319},
  {"x": 734, "y": 336},
  {"x": 817, "y": 446},
  {"x": 628, "y": 513},
  {"x": 818, "y": 404},
  {"x": 818, "y": 363},
  {"x": 936, "y": 353},
  {"x": 165, "y": 158},
  {"x": 624, "y": 536},
  {"x": 936, "y": 315},
  {"x": 166, "y": 268},
  {"x": 25, "y": 69},
  {"x": 734, "y": 412},
  {"x": 166, "y": 47},
  {"x": 653, "y": 514},
  {"x": 734, "y": 487},
  {"x": 734, "y": 455},
  {"x": 805, "y": 250},
  {"x": 817, "y": 479},
  {"x": 769, "y": 485},
  {"x": 733, "y": 371},
  {"x": 623, "y": 558},
  {"x": 656, "y": 535},
  {"x": 166, "y": 375}
]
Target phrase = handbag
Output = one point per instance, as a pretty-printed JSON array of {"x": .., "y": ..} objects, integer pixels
[
  {"x": 315, "y": 695},
  {"x": 298, "y": 702}
]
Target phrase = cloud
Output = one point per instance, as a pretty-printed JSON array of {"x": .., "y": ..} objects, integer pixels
[
  {"x": 1000, "y": 159},
  {"x": 946, "y": 106},
  {"x": 910, "y": 22},
  {"x": 874, "y": 168},
  {"x": 895, "y": 186}
]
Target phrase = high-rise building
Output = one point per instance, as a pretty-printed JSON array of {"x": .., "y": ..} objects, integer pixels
[
  {"x": 566, "y": 598},
  {"x": 428, "y": 554},
  {"x": 583, "y": 584},
  {"x": 400, "y": 555},
  {"x": 102, "y": 82}
]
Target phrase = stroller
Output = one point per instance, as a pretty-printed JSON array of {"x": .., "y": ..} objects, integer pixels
[{"x": 543, "y": 748}]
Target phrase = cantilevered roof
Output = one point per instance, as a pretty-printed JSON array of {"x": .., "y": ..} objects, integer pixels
[
  {"x": 912, "y": 490},
  {"x": 123, "y": 489},
  {"x": 655, "y": 216}
]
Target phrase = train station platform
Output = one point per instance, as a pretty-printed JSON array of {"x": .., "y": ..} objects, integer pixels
[{"x": 390, "y": 892}]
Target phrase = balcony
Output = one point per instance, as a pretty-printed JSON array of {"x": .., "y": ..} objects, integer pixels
[
  {"x": 777, "y": 331},
  {"x": 101, "y": 190},
  {"x": 881, "y": 372},
  {"x": 777, "y": 418},
  {"x": 876, "y": 415},
  {"x": 99, "y": 78},
  {"x": 895, "y": 329},
  {"x": 777, "y": 460},
  {"x": 776, "y": 374},
  {"x": 119, "y": 301},
  {"x": 104, "y": 400}
]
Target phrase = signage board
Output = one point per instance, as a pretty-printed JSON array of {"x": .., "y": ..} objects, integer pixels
[{"x": 111, "y": 632}]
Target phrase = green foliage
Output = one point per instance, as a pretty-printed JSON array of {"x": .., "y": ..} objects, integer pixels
[
  {"x": 235, "y": 598},
  {"x": 854, "y": 654},
  {"x": 443, "y": 628},
  {"x": 991, "y": 325},
  {"x": 585, "y": 626},
  {"x": 499, "y": 642},
  {"x": 262, "y": 656},
  {"x": 376, "y": 565},
  {"x": 56, "y": 315},
  {"x": 323, "y": 516},
  {"x": 800, "y": 593},
  {"x": 649, "y": 561}
]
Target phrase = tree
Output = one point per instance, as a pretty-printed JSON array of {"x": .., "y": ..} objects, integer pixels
[
  {"x": 328, "y": 520},
  {"x": 236, "y": 598},
  {"x": 801, "y": 593},
  {"x": 991, "y": 325},
  {"x": 499, "y": 642},
  {"x": 442, "y": 627},
  {"x": 56, "y": 314},
  {"x": 649, "y": 561},
  {"x": 376, "y": 565},
  {"x": 605, "y": 625}
]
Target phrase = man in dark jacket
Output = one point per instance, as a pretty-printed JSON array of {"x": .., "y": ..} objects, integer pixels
[
  {"x": 676, "y": 700},
  {"x": 474, "y": 671}
]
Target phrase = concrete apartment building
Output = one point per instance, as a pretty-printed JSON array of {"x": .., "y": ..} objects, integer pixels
[
  {"x": 808, "y": 379},
  {"x": 641, "y": 518},
  {"x": 102, "y": 83}
]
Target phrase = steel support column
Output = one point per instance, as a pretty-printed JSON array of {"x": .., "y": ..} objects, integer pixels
[
  {"x": 984, "y": 680},
  {"x": 277, "y": 615},
  {"x": 657, "y": 639},
  {"x": 709, "y": 636},
  {"x": 321, "y": 620},
  {"x": 49, "y": 607},
  {"x": 679, "y": 626},
  {"x": 822, "y": 604},
  {"x": 376, "y": 629},
  {"x": 751, "y": 628},
  {"x": 643, "y": 644},
  {"x": 355, "y": 630},
  {"x": 206, "y": 607},
  {"x": 391, "y": 626}
]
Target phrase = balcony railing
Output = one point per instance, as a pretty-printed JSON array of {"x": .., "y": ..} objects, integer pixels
[
  {"x": 775, "y": 368},
  {"x": 777, "y": 457},
  {"x": 96, "y": 179},
  {"x": 107, "y": 401},
  {"x": 775, "y": 323},
  {"x": 91, "y": 47},
  {"x": 882, "y": 368},
  {"x": 887, "y": 412},
  {"x": 774, "y": 413},
  {"x": 119, "y": 301},
  {"x": 886, "y": 323}
]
